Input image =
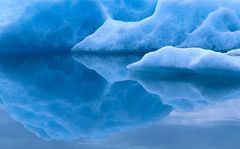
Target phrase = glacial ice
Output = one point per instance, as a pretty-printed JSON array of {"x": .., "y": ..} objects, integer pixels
[
  {"x": 58, "y": 98},
  {"x": 188, "y": 60},
  {"x": 220, "y": 31},
  {"x": 129, "y": 10},
  {"x": 235, "y": 52},
  {"x": 206, "y": 24},
  {"x": 47, "y": 25},
  {"x": 118, "y": 25}
]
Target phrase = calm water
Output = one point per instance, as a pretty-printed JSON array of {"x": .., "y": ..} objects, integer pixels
[{"x": 93, "y": 101}]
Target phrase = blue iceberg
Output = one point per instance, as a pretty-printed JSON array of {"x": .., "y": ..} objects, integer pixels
[
  {"x": 220, "y": 31},
  {"x": 188, "y": 60},
  {"x": 47, "y": 25},
  {"x": 117, "y": 26},
  {"x": 214, "y": 25},
  {"x": 129, "y": 10}
]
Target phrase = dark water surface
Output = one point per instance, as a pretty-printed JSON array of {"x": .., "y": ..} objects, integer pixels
[{"x": 93, "y": 101}]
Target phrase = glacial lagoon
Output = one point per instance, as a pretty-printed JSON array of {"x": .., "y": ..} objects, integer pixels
[{"x": 119, "y": 74}]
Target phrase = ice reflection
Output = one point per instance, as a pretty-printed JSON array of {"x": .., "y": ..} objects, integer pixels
[
  {"x": 58, "y": 98},
  {"x": 185, "y": 92},
  {"x": 192, "y": 96},
  {"x": 111, "y": 67}
]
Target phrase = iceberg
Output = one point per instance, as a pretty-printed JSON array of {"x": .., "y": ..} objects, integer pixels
[
  {"x": 235, "y": 52},
  {"x": 57, "y": 25},
  {"x": 47, "y": 25},
  {"x": 214, "y": 25},
  {"x": 220, "y": 31},
  {"x": 129, "y": 10},
  {"x": 118, "y": 25},
  {"x": 188, "y": 60}
]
